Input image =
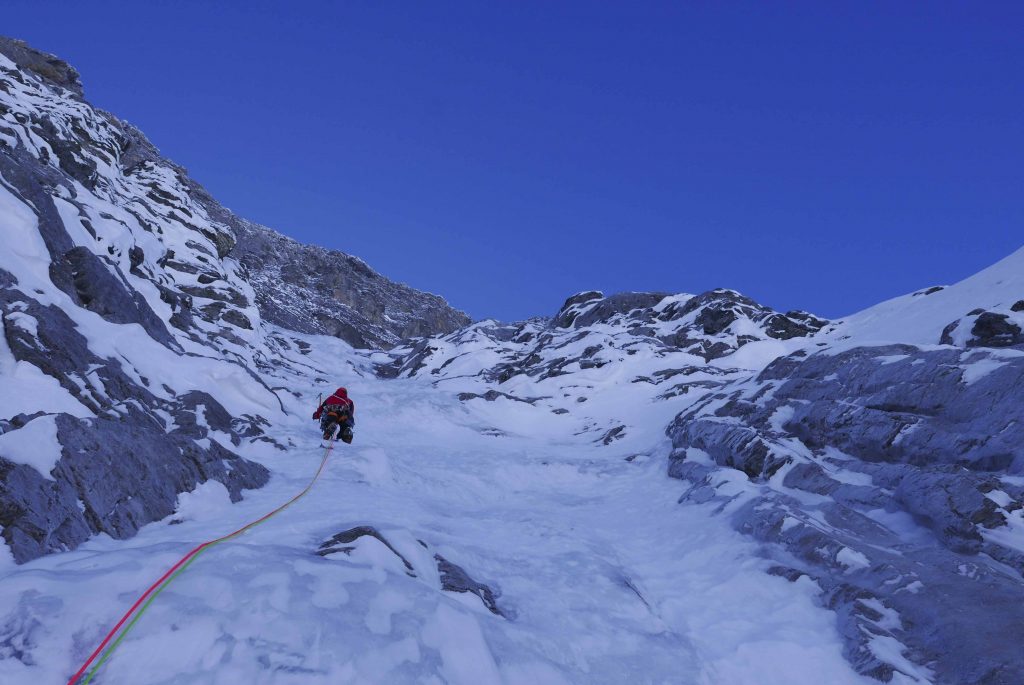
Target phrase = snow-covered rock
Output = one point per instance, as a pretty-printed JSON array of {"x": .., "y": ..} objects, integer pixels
[
  {"x": 885, "y": 456},
  {"x": 310, "y": 289},
  {"x": 863, "y": 454},
  {"x": 121, "y": 283},
  {"x": 921, "y": 317},
  {"x": 591, "y": 330}
]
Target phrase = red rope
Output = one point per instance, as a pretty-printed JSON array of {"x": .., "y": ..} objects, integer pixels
[{"x": 152, "y": 588}]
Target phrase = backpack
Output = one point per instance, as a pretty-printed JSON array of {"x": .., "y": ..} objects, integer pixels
[{"x": 336, "y": 412}]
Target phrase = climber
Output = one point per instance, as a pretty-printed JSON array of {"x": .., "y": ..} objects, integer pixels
[{"x": 337, "y": 411}]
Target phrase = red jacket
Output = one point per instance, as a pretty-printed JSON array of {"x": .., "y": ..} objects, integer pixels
[{"x": 340, "y": 396}]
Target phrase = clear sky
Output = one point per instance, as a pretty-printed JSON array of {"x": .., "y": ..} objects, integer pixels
[{"x": 819, "y": 155}]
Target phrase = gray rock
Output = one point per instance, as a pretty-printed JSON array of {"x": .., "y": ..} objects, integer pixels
[
  {"x": 125, "y": 472},
  {"x": 698, "y": 325},
  {"x": 915, "y": 409},
  {"x": 932, "y": 446},
  {"x": 122, "y": 465},
  {"x": 718, "y": 309},
  {"x": 995, "y": 330},
  {"x": 49, "y": 67},
  {"x": 101, "y": 288},
  {"x": 988, "y": 329},
  {"x": 313, "y": 290},
  {"x": 602, "y": 309},
  {"x": 455, "y": 579},
  {"x": 342, "y": 542},
  {"x": 492, "y": 395},
  {"x": 612, "y": 435}
]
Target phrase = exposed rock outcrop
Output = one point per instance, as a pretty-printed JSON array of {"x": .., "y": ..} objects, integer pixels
[
  {"x": 591, "y": 330},
  {"x": 313, "y": 290},
  {"x": 848, "y": 454}
]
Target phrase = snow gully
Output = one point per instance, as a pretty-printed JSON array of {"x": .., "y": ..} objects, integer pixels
[{"x": 149, "y": 596}]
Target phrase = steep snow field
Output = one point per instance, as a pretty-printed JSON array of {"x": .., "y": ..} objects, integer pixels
[
  {"x": 603, "y": 577},
  {"x": 919, "y": 318}
]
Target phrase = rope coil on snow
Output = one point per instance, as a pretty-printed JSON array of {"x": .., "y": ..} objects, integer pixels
[{"x": 137, "y": 609}]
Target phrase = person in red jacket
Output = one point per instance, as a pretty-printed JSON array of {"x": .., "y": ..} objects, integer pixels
[{"x": 337, "y": 414}]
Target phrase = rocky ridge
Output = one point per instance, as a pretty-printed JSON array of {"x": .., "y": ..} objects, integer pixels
[
  {"x": 591, "y": 330},
  {"x": 310, "y": 289}
]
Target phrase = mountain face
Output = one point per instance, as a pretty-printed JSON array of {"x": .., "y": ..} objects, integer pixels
[
  {"x": 115, "y": 263},
  {"x": 65, "y": 136},
  {"x": 310, "y": 289},
  {"x": 878, "y": 456},
  {"x": 643, "y": 487}
]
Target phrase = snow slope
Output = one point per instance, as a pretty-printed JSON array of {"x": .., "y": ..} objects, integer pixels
[
  {"x": 459, "y": 540},
  {"x": 919, "y": 318},
  {"x": 600, "y": 575}
]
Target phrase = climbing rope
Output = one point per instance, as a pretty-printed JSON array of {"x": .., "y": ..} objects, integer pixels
[{"x": 133, "y": 614}]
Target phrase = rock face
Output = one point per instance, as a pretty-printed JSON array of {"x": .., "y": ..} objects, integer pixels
[
  {"x": 111, "y": 267},
  {"x": 113, "y": 477},
  {"x": 119, "y": 469},
  {"x": 891, "y": 476},
  {"x": 312, "y": 290},
  {"x": 54, "y": 138},
  {"x": 888, "y": 473},
  {"x": 49, "y": 67}
]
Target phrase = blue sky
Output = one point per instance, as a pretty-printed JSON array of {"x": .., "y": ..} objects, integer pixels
[{"x": 821, "y": 156}]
